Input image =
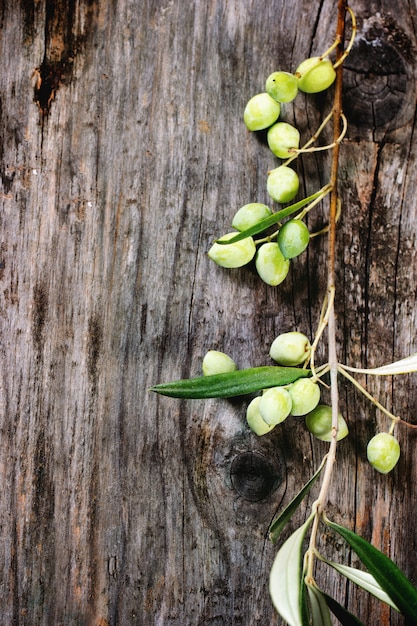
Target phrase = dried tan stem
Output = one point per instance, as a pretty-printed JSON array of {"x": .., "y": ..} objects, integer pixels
[{"x": 331, "y": 276}]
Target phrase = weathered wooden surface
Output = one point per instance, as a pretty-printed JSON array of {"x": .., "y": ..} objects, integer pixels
[{"x": 123, "y": 156}]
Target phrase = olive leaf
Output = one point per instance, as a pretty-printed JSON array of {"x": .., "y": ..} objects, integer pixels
[
  {"x": 285, "y": 579},
  {"x": 271, "y": 220},
  {"x": 231, "y": 384},
  {"x": 280, "y": 522},
  {"x": 387, "y": 574},
  {"x": 362, "y": 579},
  {"x": 403, "y": 366},
  {"x": 305, "y": 612},
  {"x": 343, "y": 615},
  {"x": 320, "y": 613}
]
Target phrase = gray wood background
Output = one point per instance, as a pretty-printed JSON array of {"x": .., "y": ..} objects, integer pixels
[{"x": 123, "y": 155}]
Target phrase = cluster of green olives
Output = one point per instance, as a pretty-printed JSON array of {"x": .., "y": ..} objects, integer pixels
[
  {"x": 263, "y": 110},
  {"x": 274, "y": 405},
  {"x": 273, "y": 255},
  {"x": 272, "y": 259},
  {"x": 300, "y": 398}
]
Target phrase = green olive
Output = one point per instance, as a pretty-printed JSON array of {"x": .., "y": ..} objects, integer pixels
[
  {"x": 216, "y": 362},
  {"x": 319, "y": 423},
  {"x": 255, "y": 420},
  {"x": 293, "y": 238},
  {"x": 383, "y": 452},
  {"x": 249, "y": 215},
  {"x": 271, "y": 265},
  {"x": 275, "y": 405},
  {"x": 305, "y": 396},
  {"x": 260, "y": 112},
  {"x": 282, "y": 184},
  {"x": 234, "y": 254},
  {"x": 283, "y": 139},
  {"x": 282, "y": 86},
  {"x": 291, "y": 348},
  {"x": 315, "y": 74}
]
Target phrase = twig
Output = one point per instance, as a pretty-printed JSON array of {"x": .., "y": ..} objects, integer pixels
[{"x": 331, "y": 278}]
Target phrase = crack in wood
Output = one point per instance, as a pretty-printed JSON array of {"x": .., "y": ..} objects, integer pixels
[{"x": 48, "y": 78}]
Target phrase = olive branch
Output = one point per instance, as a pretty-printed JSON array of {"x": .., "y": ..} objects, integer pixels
[{"x": 293, "y": 588}]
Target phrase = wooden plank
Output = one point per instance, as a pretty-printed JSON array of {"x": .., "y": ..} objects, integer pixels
[{"x": 123, "y": 156}]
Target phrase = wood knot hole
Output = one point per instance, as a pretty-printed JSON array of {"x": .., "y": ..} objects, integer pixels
[
  {"x": 375, "y": 81},
  {"x": 253, "y": 476}
]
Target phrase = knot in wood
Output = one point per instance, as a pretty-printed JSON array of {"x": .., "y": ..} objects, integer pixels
[
  {"x": 375, "y": 83},
  {"x": 253, "y": 476}
]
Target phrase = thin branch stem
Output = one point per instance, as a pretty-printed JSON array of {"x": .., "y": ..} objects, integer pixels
[
  {"x": 330, "y": 48},
  {"x": 331, "y": 275},
  {"x": 370, "y": 397},
  {"x": 325, "y": 229},
  {"x": 308, "y": 208},
  {"x": 329, "y": 146},
  {"x": 324, "y": 319},
  {"x": 404, "y": 423},
  {"x": 312, "y": 139},
  {"x": 351, "y": 41}
]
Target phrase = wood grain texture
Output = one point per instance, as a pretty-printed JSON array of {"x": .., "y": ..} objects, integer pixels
[{"x": 123, "y": 155}]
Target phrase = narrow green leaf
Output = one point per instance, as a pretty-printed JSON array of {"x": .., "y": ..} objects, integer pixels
[
  {"x": 305, "y": 612},
  {"x": 281, "y": 521},
  {"x": 231, "y": 384},
  {"x": 320, "y": 613},
  {"x": 391, "y": 579},
  {"x": 343, "y": 615},
  {"x": 286, "y": 577},
  {"x": 271, "y": 220},
  {"x": 362, "y": 579}
]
